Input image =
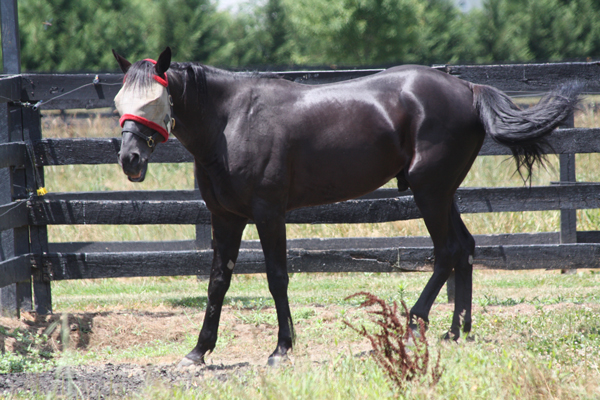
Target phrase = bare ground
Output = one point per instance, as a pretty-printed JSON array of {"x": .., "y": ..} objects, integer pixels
[
  {"x": 110, "y": 380},
  {"x": 246, "y": 346}
]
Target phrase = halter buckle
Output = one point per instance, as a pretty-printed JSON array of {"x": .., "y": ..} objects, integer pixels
[{"x": 150, "y": 142}]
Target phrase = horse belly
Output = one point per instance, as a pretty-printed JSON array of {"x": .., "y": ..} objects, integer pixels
[{"x": 337, "y": 174}]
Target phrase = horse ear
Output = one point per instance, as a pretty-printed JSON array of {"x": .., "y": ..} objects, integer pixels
[
  {"x": 164, "y": 62},
  {"x": 123, "y": 63}
]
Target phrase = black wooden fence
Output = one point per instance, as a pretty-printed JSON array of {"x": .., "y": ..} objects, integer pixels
[{"x": 28, "y": 262}]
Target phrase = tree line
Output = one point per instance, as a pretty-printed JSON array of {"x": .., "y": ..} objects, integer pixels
[{"x": 76, "y": 35}]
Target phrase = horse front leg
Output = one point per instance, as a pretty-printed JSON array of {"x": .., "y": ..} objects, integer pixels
[
  {"x": 271, "y": 230},
  {"x": 227, "y": 235}
]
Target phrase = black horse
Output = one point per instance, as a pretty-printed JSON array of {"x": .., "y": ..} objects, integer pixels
[{"x": 264, "y": 145}]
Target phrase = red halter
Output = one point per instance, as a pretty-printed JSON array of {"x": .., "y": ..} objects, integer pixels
[{"x": 165, "y": 81}]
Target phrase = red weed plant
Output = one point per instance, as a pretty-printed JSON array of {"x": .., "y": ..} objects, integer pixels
[{"x": 402, "y": 353}]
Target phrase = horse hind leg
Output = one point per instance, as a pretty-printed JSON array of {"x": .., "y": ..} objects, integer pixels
[
  {"x": 270, "y": 223},
  {"x": 463, "y": 277},
  {"x": 453, "y": 250}
]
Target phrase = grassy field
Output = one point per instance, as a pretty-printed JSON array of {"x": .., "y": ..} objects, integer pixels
[{"x": 536, "y": 334}]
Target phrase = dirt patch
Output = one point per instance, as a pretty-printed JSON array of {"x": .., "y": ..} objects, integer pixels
[
  {"x": 246, "y": 338},
  {"x": 104, "y": 381}
]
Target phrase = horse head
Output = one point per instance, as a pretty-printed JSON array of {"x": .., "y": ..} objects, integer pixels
[{"x": 146, "y": 109}]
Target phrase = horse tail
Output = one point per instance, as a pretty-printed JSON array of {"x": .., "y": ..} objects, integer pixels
[{"x": 524, "y": 131}]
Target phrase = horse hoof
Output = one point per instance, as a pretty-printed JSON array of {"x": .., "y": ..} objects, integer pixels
[
  {"x": 448, "y": 336},
  {"x": 416, "y": 332},
  {"x": 187, "y": 362},
  {"x": 278, "y": 360}
]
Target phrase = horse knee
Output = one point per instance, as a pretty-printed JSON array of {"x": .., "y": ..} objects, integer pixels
[{"x": 217, "y": 288}]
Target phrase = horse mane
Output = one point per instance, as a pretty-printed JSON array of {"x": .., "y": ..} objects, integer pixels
[
  {"x": 197, "y": 78},
  {"x": 223, "y": 72},
  {"x": 139, "y": 75}
]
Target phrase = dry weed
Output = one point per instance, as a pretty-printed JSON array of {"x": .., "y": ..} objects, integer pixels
[{"x": 402, "y": 353}]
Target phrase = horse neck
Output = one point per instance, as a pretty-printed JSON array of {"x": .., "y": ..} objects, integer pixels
[{"x": 201, "y": 117}]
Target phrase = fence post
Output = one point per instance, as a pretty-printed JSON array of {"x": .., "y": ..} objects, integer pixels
[
  {"x": 568, "y": 218},
  {"x": 13, "y": 183},
  {"x": 11, "y": 47},
  {"x": 13, "y": 186},
  {"x": 12, "y": 241},
  {"x": 203, "y": 236},
  {"x": 38, "y": 235},
  {"x": 203, "y": 232}
]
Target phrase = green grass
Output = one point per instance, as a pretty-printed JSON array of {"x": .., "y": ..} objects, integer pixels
[
  {"x": 251, "y": 291},
  {"x": 536, "y": 334}
]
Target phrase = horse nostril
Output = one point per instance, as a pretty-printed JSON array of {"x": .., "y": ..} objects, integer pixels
[
  {"x": 130, "y": 161},
  {"x": 135, "y": 158}
]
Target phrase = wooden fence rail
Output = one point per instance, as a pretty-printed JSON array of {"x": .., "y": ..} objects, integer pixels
[{"x": 28, "y": 262}]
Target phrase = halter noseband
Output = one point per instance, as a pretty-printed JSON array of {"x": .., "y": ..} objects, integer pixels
[
  {"x": 159, "y": 131},
  {"x": 149, "y": 135}
]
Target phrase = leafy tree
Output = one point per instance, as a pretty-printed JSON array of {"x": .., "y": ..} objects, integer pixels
[
  {"x": 445, "y": 35},
  {"x": 538, "y": 30},
  {"x": 64, "y": 35},
  {"x": 499, "y": 28},
  {"x": 381, "y": 31},
  {"x": 246, "y": 39},
  {"x": 276, "y": 27},
  {"x": 191, "y": 27},
  {"x": 576, "y": 31},
  {"x": 314, "y": 31},
  {"x": 257, "y": 35}
]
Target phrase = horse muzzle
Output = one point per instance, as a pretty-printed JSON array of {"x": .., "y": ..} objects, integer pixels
[
  {"x": 133, "y": 157},
  {"x": 133, "y": 166}
]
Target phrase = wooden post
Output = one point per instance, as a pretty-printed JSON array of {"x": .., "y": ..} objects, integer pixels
[
  {"x": 38, "y": 235},
  {"x": 12, "y": 181},
  {"x": 203, "y": 238},
  {"x": 13, "y": 186},
  {"x": 568, "y": 218},
  {"x": 11, "y": 47},
  {"x": 203, "y": 232}
]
